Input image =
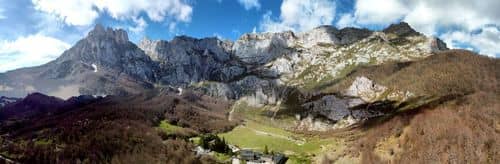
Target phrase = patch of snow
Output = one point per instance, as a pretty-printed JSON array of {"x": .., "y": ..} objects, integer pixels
[
  {"x": 180, "y": 91},
  {"x": 95, "y": 67},
  {"x": 99, "y": 95}
]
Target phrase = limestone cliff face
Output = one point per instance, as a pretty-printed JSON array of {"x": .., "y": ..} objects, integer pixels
[
  {"x": 260, "y": 67},
  {"x": 103, "y": 63},
  {"x": 307, "y": 60},
  {"x": 107, "y": 50},
  {"x": 185, "y": 60}
]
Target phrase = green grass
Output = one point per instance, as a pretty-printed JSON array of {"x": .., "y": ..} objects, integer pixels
[
  {"x": 43, "y": 142},
  {"x": 257, "y": 115},
  {"x": 293, "y": 159},
  {"x": 260, "y": 130},
  {"x": 256, "y": 136},
  {"x": 195, "y": 140},
  {"x": 222, "y": 157},
  {"x": 169, "y": 128}
]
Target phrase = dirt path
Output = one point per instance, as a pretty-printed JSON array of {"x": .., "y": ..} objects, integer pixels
[
  {"x": 231, "y": 113},
  {"x": 296, "y": 141}
]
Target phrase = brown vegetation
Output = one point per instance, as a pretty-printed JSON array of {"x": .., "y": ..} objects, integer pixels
[
  {"x": 455, "y": 72},
  {"x": 463, "y": 128},
  {"x": 461, "y": 131},
  {"x": 114, "y": 130}
]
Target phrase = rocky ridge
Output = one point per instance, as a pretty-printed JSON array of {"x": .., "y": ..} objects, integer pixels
[
  {"x": 103, "y": 63},
  {"x": 260, "y": 68},
  {"x": 256, "y": 64}
]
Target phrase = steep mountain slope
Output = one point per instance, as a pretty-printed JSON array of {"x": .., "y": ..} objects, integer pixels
[
  {"x": 258, "y": 67},
  {"x": 452, "y": 117},
  {"x": 104, "y": 62},
  {"x": 374, "y": 91}
]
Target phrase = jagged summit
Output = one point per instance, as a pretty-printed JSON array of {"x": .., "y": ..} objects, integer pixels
[
  {"x": 99, "y": 32},
  {"x": 401, "y": 29}
]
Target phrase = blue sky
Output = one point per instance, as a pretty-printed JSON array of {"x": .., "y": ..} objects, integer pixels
[{"x": 33, "y": 32}]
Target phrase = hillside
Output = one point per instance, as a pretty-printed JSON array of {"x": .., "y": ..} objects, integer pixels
[
  {"x": 326, "y": 95},
  {"x": 110, "y": 129},
  {"x": 457, "y": 123}
]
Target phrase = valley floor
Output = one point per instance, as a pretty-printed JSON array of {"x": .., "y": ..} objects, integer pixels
[{"x": 258, "y": 132}]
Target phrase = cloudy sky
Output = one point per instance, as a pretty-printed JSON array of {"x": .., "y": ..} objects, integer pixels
[{"x": 33, "y": 32}]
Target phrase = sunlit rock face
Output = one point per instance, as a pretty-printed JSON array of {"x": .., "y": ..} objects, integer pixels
[
  {"x": 185, "y": 60},
  {"x": 300, "y": 60},
  {"x": 362, "y": 100},
  {"x": 103, "y": 63},
  {"x": 261, "y": 67}
]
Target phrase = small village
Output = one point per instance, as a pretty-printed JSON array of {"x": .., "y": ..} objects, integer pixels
[{"x": 211, "y": 144}]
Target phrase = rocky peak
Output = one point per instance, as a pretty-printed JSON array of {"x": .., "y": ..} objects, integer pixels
[
  {"x": 149, "y": 47},
  {"x": 401, "y": 29},
  {"x": 323, "y": 34},
  {"x": 99, "y": 32},
  {"x": 437, "y": 45},
  {"x": 260, "y": 48},
  {"x": 103, "y": 51},
  {"x": 350, "y": 35},
  {"x": 183, "y": 38}
]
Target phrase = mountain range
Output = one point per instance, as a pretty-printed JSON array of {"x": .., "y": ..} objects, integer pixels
[
  {"x": 107, "y": 63},
  {"x": 326, "y": 95}
]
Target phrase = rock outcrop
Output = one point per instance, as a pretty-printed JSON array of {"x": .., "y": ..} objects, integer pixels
[{"x": 363, "y": 100}]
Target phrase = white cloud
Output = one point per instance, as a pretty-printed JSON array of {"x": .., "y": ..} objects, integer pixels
[
  {"x": 249, "y": 4},
  {"x": 78, "y": 12},
  {"x": 141, "y": 24},
  {"x": 31, "y": 50},
  {"x": 379, "y": 11},
  {"x": 84, "y": 12},
  {"x": 2, "y": 16},
  {"x": 172, "y": 27},
  {"x": 300, "y": 15},
  {"x": 432, "y": 17},
  {"x": 428, "y": 15},
  {"x": 487, "y": 41},
  {"x": 346, "y": 20}
]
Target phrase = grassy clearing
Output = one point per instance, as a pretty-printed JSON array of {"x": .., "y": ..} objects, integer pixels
[
  {"x": 169, "y": 128},
  {"x": 43, "y": 142},
  {"x": 256, "y": 136},
  {"x": 222, "y": 157},
  {"x": 262, "y": 115},
  {"x": 259, "y": 131}
]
